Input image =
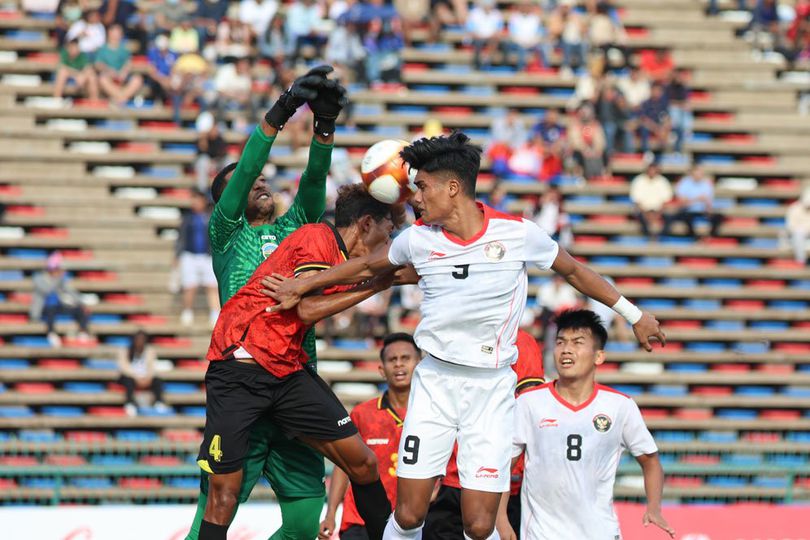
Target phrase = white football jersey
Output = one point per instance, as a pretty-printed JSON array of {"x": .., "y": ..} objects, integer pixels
[
  {"x": 474, "y": 290},
  {"x": 571, "y": 458}
]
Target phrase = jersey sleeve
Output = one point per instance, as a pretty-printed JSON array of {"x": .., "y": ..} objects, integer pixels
[
  {"x": 540, "y": 249},
  {"x": 313, "y": 249},
  {"x": 310, "y": 201},
  {"x": 400, "y": 251},
  {"x": 522, "y": 423},
  {"x": 635, "y": 435},
  {"x": 529, "y": 366}
]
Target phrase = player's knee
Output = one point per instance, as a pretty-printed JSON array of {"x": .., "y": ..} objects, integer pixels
[
  {"x": 222, "y": 496},
  {"x": 478, "y": 527},
  {"x": 364, "y": 471},
  {"x": 408, "y": 518}
]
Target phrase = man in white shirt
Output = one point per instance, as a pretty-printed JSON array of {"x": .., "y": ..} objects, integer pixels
[
  {"x": 485, "y": 24},
  {"x": 527, "y": 34},
  {"x": 572, "y": 432},
  {"x": 257, "y": 14},
  {"x": 472, "y": 264},
  {"x": 650, "y": 191}
]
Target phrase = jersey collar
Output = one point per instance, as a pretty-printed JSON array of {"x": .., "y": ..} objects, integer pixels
[
  {"x": 338, "y": 239},
  {"x": 487, "y": 214},
  {"x": 563, "y": 402},
  {"x": 384, "y": 404}
]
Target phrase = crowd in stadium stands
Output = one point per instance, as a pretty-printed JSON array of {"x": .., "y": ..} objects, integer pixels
[{"x": 136, "y": 365}]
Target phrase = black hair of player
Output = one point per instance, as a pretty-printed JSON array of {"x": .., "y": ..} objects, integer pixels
[
  {"x": 398, "y": 337},
  {"x": 354, "y": 201},
  {"x": 580, "y": 319},
  {"x": 220, "y": 181},
  {"x": 453, "y": 153}
]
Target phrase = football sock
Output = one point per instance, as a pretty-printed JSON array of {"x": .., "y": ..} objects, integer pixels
[
  {"x": 212, "y": 531},
  {"x": 300, "y": 518},
  {"x": 394, "y": 532},
  {"x": 493, "y": 536},
  {"x": 373, "y": 506},
  {"x": 194, "y": 532}
]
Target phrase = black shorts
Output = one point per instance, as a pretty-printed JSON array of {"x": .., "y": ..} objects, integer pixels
[
  {"x": 355, "y": 532},
  {"x": 239, "y": 393},
  {"x": 443, "y": 521}
]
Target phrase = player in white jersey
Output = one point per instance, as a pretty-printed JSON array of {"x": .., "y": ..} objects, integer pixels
[
  {"x": 573, "y": 432},
  {"x": 472, "y": 262}
]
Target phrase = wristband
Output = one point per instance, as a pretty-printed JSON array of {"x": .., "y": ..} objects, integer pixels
[{"x": 626, "y": 309}]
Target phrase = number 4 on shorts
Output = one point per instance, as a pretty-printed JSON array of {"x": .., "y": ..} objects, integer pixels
[{"x": 214, "y": 448}]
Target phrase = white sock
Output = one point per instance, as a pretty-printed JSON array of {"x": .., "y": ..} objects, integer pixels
[
  {"x": 493, "y": 536},
  {"x": 394, "y": 532}
]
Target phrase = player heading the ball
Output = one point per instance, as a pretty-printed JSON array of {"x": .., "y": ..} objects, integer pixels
[{"x": 472, "y": 261}]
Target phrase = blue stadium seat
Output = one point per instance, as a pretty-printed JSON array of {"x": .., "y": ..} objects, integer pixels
[
  {"x": 754, "y": 347},
  {"x": 796, "y": 391},
  {"x": 800, "y": 284},
  {"x": 156, "y": 171},
  {"x": 766, "y": 243},
  {"x": 669, "y": 390},
  {"x": 180, "y": 148},
  {"x": 62, "y": 411},
  {"x": 742, "y": 459},
  {"x": 632, "y": 241},
  {"x": 718, "y": 436},
  {"x": 117, "y": 124},
  {"x": 736, "y": 414},
  {"x": 674, "y": 436},
  {"x": 742, "y": 262},
  {"x": 83, "y": 387},
  {"x": 702, "y": 304},
  {"x": 105, "y": 318},
  {"x": 679, "y": 282},
  {"x": 180, "y": 388},
  {"x": 38, "y": 436},
  {"x": 676, "y": 241},
  {"x": 11, "y": 275},
  {"x": 14, "y": 363},
  {"x": 433, "y": 88},
  {"x": 39, "y": 482},
  {"x": 707, "y": 347},
  {"x": 112, "y": 459},
  {"x": 136, "y": 435},
  {"x": 101, "y": 363},
  {"x": 770, "y": 482},
  {"x": 687, "y": 367},
  {"x": 193, "y": 411},
  {"x": 585, "y": 199},
  {"x": 722, "y": 282},
  {"x": 91, "y": 482},
  {"x": 620, "y": 346},
  {"x": 787, "y": 460},
  {"x": 353, "y": 344},
  {"x": 610, "y": 261},
  {"x": 629, "y": 389},
  {"x": 769, "y": 326},
  {"x": 798, "y": 436},
  {"x": 184, "y": 482},
  {"x": 754, "y": 201},
  {"x": 31, "y": 341},
  {"x": 788, "y": 305},
  {"x": 656, "y": 261},
  {"x": 15, "y": 411},
  {"x": 654, "y": 304},
  {"x": 725, "y": 325},
  {"x": 726, "y": 481}
]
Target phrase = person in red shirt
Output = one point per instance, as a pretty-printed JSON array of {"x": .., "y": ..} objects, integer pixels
[
  {"x": 443, "y": 521},
  {"x": 257, "y": 365},
  {"x": 379, "y": 422}
]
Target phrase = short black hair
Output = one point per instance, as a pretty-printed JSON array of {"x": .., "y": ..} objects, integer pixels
[
  {"x": 453, "y": 153},
  {"x": 220, "y": 181},
  {"x": 580, "y": 319},
  {"x": 354, "y": 201},
  {"x": 397, "y": 337}
]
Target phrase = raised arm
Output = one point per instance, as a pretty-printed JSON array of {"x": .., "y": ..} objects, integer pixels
[
  {"x": 654, "y": 489},
  {"x": 591, "y": 284}
]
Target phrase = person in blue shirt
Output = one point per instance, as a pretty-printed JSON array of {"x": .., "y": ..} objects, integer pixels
[
  {"x": 655, "y": 124},
  {"x": 694, "y": 199},
  {"x": 53, "y": 296},
  {"x": 194, "y": 258},
  {"x": 159, "y": 70}
]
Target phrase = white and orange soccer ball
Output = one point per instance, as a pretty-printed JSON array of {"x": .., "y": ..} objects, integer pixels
[{"x": 385, "y": 175}]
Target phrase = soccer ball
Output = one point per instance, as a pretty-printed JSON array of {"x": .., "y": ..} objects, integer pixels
[{"x": 384, "y": 173}]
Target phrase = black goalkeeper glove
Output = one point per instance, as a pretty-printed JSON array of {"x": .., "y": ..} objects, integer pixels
[
  {"x": 326, "y": 107},
  {"x": 302, "y": 90}
]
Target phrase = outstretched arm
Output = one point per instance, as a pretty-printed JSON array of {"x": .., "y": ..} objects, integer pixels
[
  {"x": 654, "y": 489},
  {"x": 314, "y": 308},
  {"x": 591, "y": 284},
  {"x": 337, "y": 491}
]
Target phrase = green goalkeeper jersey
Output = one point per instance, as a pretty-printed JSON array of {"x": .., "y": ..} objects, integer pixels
[{"x": 237, "y": 249}]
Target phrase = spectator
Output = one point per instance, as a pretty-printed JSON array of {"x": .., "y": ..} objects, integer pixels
[
  {"x": 119, "y": 11},
  {"x": 526, "y": 160},
  {"x": 233, "y": 39},
  {"x": 189, "y": 75},
  {"x": 508, "y": 131},
  {"x": 567, "y": 27},
  {"x": 694, "y": 199},
  {"x": 446, "y": 13},
  {"x": 552, "y": 218},
  {"x": 194, "y": 259},
  {"x": 412, "y": 13},
  {"x": 136, "y": 364},
  {"x": 498, "y": 198},
  {"x": 484, "y": 25},
  {"x": 90, "y": 32},
  {"x": 233, "y": 83},
  {"x": 589, "y": 85},
  {"x": 657, "y": 65},
  {"x": 654, "y": 122},
  {"x": 75, "y": 65},
  {"x": 383, "y": 44},
  {"x": 169, "y": 15},
  {"x": 345, "y": 51},
  {"x": 552, "y": 136},
  {"x": 114, "y": 64},
  {"x": 212, "y": 150},
  {"x": 612, "y": 112},
  {"x": 371, "y": 317},
  {"x": 159, "y": 70},
  {"x": 606, "y": 34},
  {"x": 273, "y": 43},
  {"x": 636, "y": 90},
  {"x": 184, "y": 38},
  {"x": 304, "y": 21},
  {"x": 208, "y": 15},
  {"x": 53, "y": 295},
  {"x": 797, "y": 222},
  {"x": 526, "y": 35},
  {"x": 588, "y": 145},
  {"x": 554, "y": 297},
  {"x": 67, "y": 12},
  {"x": 680, "y": 114},
  {"x": 764, "y": 25},
  {"x": 257, "y": 14},
  {"x": 650, "y": 192}
]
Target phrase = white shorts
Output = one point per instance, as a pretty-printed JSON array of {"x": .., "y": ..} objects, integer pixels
[
  {"x": 450, "y": 402},
  {"x": 196, "y": 270}
]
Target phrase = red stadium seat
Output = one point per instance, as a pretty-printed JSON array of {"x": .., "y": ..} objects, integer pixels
[
  {"x": 106, "y": 411},
  {"x": 161, "y": 461},
  {"x": 700, "y": 459},
  {"x": 48, "y": 232},
  {"x": 19, "y": 461},
  {"x": 684, "y": 482},
  {"x": 693, "y": 414},
  {"x": 69, "y": 460},
  {"x": 86, "y": 436},
  {"x": 139, "y": 483},
  {"x": 780, "y": 414},
  {"x": 761, "y": 436},
  {"x": 34, "y": 388},
  {"x": 200, "y": 365},
  {"x": 97, "y": 275},
  {"x": 59, "y": 363},
  {"x": 181, "y": 435},
  {"x": 654, "y": 413},
  {"x": 745, "y": 305},
  {"x": 713, "y": 391},
  {"x": 731, "y": 368}
]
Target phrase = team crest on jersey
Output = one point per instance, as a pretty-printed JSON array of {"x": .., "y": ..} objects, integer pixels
[
  {"x": 268, "y": 248},
  {"x": 494, "y": 251},
  {"x": 602, "y": 423}
]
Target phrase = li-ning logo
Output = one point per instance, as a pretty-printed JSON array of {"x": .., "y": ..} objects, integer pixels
[
  {"x": 548, "y": 422},
  {"x": 486, "y": 472},
  {"x": 344, "y": 421},
  {"x": 435, "y": 255}
]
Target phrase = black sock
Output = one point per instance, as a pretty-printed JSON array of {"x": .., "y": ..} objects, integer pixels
[
  {"x": 373, "y": 506},
  {"x": 212, "y": 531}
]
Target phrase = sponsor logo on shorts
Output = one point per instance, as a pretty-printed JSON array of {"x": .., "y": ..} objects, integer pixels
[
  {"x": 486, "y": 472},
  {"x": 375, "y": 442},
  {"x": 602, "y": 423},
  {"x": 548, "y": 422},
  {"x": 494, "y": 251},
  {"x": 344, "y": 421}
]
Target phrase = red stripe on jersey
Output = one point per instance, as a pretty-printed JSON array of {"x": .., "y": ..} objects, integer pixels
[
  {"x": 611, "y": 390},
  {"x": 575, "y": 408}
]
